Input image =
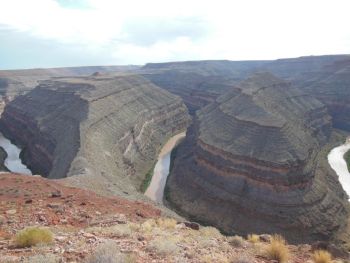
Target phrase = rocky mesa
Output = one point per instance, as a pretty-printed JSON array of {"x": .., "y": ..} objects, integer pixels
[{"x": 255, "y": 161}]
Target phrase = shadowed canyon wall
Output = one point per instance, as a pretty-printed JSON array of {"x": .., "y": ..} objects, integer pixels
[{"x": 253, "y": 162}]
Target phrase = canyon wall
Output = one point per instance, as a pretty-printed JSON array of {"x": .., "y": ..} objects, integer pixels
[
  {"x": 254, "y": 161},
  {"x": 102, "y": 132}
]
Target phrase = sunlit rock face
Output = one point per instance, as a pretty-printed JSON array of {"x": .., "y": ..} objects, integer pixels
[
  {"x": 104, "y": 130},
  {"x": 253, "y": 163}
]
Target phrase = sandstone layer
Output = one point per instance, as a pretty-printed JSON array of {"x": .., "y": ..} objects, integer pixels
[
  {"x": 255, "y": 161},
  {"x": 103, "y": 132}
]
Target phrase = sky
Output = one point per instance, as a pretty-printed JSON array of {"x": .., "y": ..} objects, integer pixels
[{"x": 57, "y": 33}]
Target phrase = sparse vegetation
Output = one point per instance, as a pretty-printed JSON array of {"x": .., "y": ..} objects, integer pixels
[
  {"x": 32, "y": 236},
  {"x": 321, "y": 256},
  {"x": 109, "y": 253},
  {"x": 46, "y": 258},
  {"x": 210, "y": 232},
  {"x": 166, "y": 223},
  {"x": 163, "y": 246},
  {"x": 277, "y": 249},
  {"x": 253, "y": 238},
  {"x": 148, "y": 178},
  {"x": 236, "y": 241},
  {"x": 121, "y": 230}
]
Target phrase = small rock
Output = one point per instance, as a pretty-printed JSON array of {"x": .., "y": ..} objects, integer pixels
[
  {"x": 140, "y": 238},
  {"x": 140, "y": 214},
  {"x": 42, "y": 218},
  {"x": 192, "y": 225},
  {"x": 265, "y": 238},
  {"x": 82, "y": 203},
  {"x": 89, "y": 235},
  {"x": 11, "y": 212},
  {"x": 60, "y": 238},
  {"x": 56, "y": 194},
  {"x": 28, "y": 201},
  {"x": 54, "y": 206}
]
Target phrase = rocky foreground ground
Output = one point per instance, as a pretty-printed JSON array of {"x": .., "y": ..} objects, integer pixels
[{"x": 91, "y": 228}]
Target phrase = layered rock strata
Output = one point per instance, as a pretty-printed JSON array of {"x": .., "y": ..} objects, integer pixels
[
  {"x": 253, "y": 163},
  {"x": 107, "y": 130}
]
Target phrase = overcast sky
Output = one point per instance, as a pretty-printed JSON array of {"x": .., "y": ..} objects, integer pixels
[{"x": 52, "y": 33}]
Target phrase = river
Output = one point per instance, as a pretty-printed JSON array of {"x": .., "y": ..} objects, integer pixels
[
  {"x": 338, "y": 164},
  {"x": 12, "y": 161},
  {"x": 155, "y": 190}
]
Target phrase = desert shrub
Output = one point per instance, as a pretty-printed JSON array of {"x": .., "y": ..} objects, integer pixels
[
  {"x": 32, "y": 236},
  {"x": 163, "y": 246},
  {"x": 121, "y": 230},
  {"x": 277, "y": 249},
  {"x": 109, "y": 253},
  {"x": 210, "y": 232},
  {"x": 243, "y": 258},
  {"x": 148, "y": 226},
  {"x": 236, "y": 241},
  {"x": 253, "y": 238},
  {"x": 166, "y": 223},
  {"x": 321, "y": 256}
]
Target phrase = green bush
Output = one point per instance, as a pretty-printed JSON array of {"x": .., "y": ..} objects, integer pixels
[{"x": 32, "y": 236}]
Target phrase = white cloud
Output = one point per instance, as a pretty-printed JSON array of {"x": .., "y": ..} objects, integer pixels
[{"x": 137, "y": 31}]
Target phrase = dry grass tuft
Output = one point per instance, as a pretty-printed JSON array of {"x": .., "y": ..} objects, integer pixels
[
  {"x": 321, "y": 256},
  {"x": 121, "y": 230},
  {"x": 236, "y": 241},
  {"x": 148, "y": 226},
  {"x": 210, "y": 232},
  {"x": 166, "y": 223},
  {"x": 277, "y": 249},
  {"x": 163, "y": 246},
  {"x": 32, "y": 236},
  {"x": 109, "y": 253},
  {"x": 253, "y": 238}
]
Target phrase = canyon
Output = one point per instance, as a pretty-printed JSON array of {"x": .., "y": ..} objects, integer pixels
[
  {"x": 254, "y": 159},
  {"x": 99, "y": 132}
]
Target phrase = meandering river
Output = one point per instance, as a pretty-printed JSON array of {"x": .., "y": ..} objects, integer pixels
[
  {"x": 13, "y": 162},
  {"x": 155, "y": 190},
  {"x": 338, "y": 164}
]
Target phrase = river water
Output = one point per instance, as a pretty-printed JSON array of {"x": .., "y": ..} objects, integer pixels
[
  {"x": 337, "y": 162},
  {"x": 155, "y": 190},
  {"x": 13, "y": 162}
]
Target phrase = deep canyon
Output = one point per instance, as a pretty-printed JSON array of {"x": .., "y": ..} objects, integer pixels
[{"x": 254, "y": 159}]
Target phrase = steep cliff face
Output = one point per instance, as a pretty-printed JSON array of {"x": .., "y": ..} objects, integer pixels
[
  {"x": 199, "y": 82},
  {"x": 331, "y": 85},
  {"x": 253, "y": 162},
  {"x": 105, "y": 131}
]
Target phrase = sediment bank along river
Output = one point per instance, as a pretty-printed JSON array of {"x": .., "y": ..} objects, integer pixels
[
  {"x": 337, "y": 162},
  {"x": 155, "y": 190},
  {"x": 12, "y": 161}
]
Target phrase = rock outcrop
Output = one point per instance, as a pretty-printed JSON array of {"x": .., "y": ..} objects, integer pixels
[
  {"x": 254, "y": 162},
  {"x": 106, "y": 129}
]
